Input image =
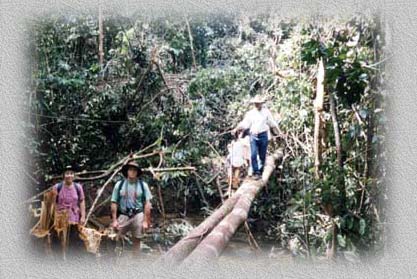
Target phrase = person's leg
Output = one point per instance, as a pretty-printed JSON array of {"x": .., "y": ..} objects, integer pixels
[
  {"x": 137, "y": 233},
  {"x": 263, "y": 147},
  {"x": 136, "y": 247},
  {"x": 230, "y": 175},
  {"x": 236, "y": 174},
  {"x": 250, "y": 170},
  {"x": 75, "y": 244},
  {"x": 254, "y": 154},
  {"x": 124, "y": 226}
]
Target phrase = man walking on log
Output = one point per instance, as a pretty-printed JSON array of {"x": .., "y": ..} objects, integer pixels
[
  {"x": 258, "y": 120},
  {"x": 131, "y": 206}
]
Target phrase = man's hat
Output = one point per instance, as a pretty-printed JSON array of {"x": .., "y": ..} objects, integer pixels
[
  {"x": 131, "y": 164},
  {"x": 257, "y": 100}
]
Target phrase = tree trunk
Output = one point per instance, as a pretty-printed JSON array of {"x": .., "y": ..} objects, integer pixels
[
  {"x": 190, "y": 36},
  {"x": 318, "y": 119},
  {"x": 331, "y": 251},
  {"x": 319, "y": 138},
  {"x": 333, "y": 112},
  {"x": 100, "y": 38},
  {"x": 213, "y": 245}
]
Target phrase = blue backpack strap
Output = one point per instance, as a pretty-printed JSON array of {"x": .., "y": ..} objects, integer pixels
[
  {"x": 58, "y": 189},
  {"x": 143, "y": 191},
  {"x": 78, "y": 188},
  {"x": 121, "y": 184}
]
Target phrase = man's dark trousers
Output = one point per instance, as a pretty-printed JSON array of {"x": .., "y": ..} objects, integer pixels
[{"x": 258, "y": 145}]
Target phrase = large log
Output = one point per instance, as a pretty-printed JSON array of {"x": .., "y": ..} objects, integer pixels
[
  {"x": 213, "y": 245},
  {"x": 249, "y": 188},
  {"x": 185, "y": 246}
]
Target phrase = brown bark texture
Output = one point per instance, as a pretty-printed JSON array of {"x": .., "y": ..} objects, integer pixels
[
  {"x": 186, "y": 245},
  {"x": 222, "y": 224}
]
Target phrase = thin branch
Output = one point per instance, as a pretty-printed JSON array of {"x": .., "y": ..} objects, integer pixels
[
  {"x": 210, "y": 179},
  {"x": 104, "y": 186},
  {"x": 161, "y": 202},
  {"x": 191, "y": 41},
  {"x": 106, "y": 201},
  {"x": 251, "y": 238},
  {"x": 169, "y": 169},
  {"x": 372, "y": 66},
  {"x": 157, "y": 142},
  {"x": 214, "y": 149},
  {"x": 155, "y": 97},
  {"x": 108, "y": 172},
  {"x": 336, "y": 130}
]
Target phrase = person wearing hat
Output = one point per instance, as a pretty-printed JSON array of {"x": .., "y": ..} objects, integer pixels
[
  {"x": 258, "y": 121},
  {"x": 70, "y": 197},
  {"x": 131, "y": 206}
]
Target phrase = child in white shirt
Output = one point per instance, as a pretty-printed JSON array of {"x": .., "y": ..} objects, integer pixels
[{"x": 238, "y": 157}]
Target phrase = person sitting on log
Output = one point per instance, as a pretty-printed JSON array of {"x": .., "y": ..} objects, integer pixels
[
  {"x": 131, "y": 206},
  {"x": 258, "y": 120},
  {"x": 70, "y": 205}
]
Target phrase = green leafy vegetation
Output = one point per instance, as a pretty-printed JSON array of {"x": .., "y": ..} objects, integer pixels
[{"x": 94, "y": 114}]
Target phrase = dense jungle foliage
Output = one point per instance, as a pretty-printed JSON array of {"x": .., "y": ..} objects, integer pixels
[{"x": 188, "y": 81}]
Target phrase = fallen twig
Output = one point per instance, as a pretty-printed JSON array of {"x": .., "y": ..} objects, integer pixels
[
  {"x": 169, "y": 169},
  {"x": 251, "y": 238}
]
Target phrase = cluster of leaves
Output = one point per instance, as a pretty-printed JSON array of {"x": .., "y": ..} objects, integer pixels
[
  {"x": 349, "y": 51},
  {"x": 94, "y": 114}
]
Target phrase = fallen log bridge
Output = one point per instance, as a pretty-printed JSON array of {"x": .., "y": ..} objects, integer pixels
[{"x": 208, "y": 240}]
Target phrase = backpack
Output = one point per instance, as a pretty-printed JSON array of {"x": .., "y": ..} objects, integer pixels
[{"x": 77, "y": 187}]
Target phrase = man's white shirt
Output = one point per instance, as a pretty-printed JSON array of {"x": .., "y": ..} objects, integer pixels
[{"x": 258, "y": 121}]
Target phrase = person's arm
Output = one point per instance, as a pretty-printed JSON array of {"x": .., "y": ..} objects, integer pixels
[
  {"x": 147, "y": 215},
  {"x": 82, "y": 211},
  {"x": 82, "y": 204},
  {"x": 273, "y": 125},
  {"x": 270, "y": 120},
  {"x": 147, "y": 207},
  {"x": 114, "y": 224},
  {"x": 246, "y": 122},
  {"x": 246, "y": 150},
  {"x": 229, "y": 153}
]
